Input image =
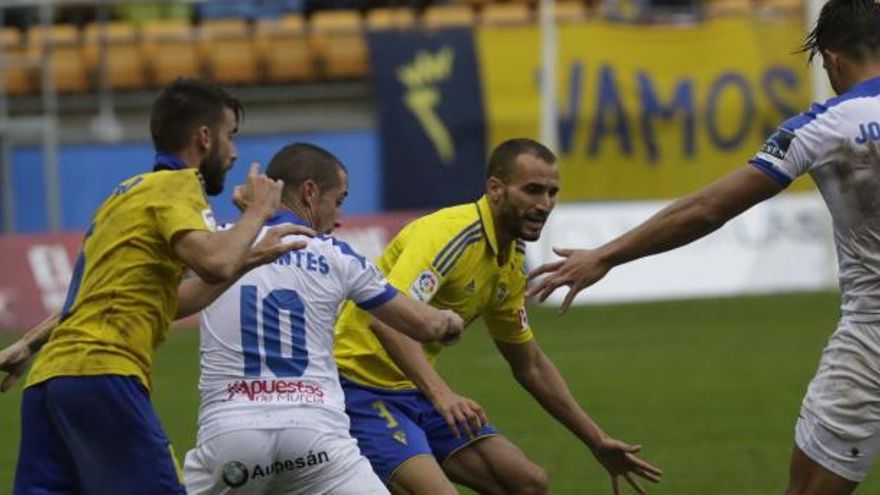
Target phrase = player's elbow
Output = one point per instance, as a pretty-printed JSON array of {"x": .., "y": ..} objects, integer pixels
[{"x": 709, "y": 213}]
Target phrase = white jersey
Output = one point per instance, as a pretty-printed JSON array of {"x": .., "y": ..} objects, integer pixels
[
  {"x": 267, "y": 342},
  {"x": 838, "y": 143}
]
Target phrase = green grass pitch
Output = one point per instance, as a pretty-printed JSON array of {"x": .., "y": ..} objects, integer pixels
[{"x": 710, "y": 387}]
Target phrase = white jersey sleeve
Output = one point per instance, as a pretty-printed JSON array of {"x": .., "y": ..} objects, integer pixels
[{"x": 364, "y": 283}]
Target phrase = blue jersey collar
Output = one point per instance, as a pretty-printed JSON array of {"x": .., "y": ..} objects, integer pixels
[
  {"x": 286, "y": 216},
  {"x": 167, "y": 161}
]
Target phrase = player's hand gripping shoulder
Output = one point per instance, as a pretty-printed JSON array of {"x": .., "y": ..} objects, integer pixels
[
  {"x": 579, "y": 269},
  {"x": 619, "y": 459},
  {"x": 261, "y": 195}
]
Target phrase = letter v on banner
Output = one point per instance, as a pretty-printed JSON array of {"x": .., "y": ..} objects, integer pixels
[{"x": 431, "y": 118}]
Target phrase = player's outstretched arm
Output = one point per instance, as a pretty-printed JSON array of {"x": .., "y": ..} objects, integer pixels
[
  {"x": 460, "y": 413},
  {"x": 680, "y": 223},
  {"x": 420, "y": 321},
  {"x": 15, "y": 358},
  {"x": 219, "y": 256},
  {"x": 539, "y": 376}
]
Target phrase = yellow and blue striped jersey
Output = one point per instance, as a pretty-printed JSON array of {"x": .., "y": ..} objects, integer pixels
[
  {"x": 448, "y": 259},
  {"x": 123, "y": 296}
]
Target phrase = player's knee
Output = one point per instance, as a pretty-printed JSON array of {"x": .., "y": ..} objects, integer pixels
[{"x": 534, "y": 481}]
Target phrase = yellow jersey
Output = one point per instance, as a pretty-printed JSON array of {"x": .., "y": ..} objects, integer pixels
[
  {"x": 123, "y": 294},
  {"x": 449, "y": 260}
]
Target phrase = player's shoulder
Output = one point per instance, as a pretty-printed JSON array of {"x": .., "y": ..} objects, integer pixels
[
  {"x": 853, "y": 106},
  {"x": 447, "y": 223},
  {"x": 335, "y": 247},
  {"x": 171, "y": 182}
]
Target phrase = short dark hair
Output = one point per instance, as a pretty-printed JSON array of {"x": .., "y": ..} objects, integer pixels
[
  {"x": 299, "y": 162},
  {"x": 504, "y": 156},
  {"x": 184, "y": 105},
  {"x": 851, "y": 27}
]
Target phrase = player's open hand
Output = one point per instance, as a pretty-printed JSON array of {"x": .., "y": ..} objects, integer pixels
[
  {"x": 13, "y": 361},
  {"x": 261, "y": 193},
  {"x": 273, "y": 244},
  {"x": 461, "y": 414},
  {"x": 619, "y": 459},
  {"x": 579, "y": 269}
]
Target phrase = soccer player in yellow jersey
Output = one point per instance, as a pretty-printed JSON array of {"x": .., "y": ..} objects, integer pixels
[
  {"x": 468, "y": 258},
  {"x": 88, "y": 426}
]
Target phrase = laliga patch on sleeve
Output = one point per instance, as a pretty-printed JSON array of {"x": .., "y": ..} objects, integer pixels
[
  {"x": 523, "y": 319},
  {"x": 425, "y": 286},
  {"x": 208, "y": 217},
  {"x": 776, "y": 146}
]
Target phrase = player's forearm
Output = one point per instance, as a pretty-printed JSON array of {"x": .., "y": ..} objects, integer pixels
[
  {"x": 680, "y": 223},
  {"x": 230, "y": 248},
  {"x": 194, "y": 295},
  {"x": 544, "y": 382},
  {"x": 39, "y": 335},
  {"x": 409, "y": 356}
]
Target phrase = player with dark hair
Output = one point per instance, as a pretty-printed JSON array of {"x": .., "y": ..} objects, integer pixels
[
  {"x": 837, "y": 435},
  {"x": 273, "y": 421},
  {"x": 87, "y": 422},
  {"x": 417, "y": 433}
]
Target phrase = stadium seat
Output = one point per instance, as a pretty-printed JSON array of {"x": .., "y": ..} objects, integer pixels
[
  {"x": 69, "y": 70},
  {"x": 721, "y": 8},
  {"x": 784, "y": 6},
  {"x": 505, "y": 14},
  {"x": 284, "y": 51},
  {"x": 14, "y": 65},
  {"x": 570, "y": 11},
  {"x": 171, "y": 50},
  {"x": 388, "y": 18},
  {"x": 337, "y": 38},
  {"x": 441, "y": 16},
  {"x": 125, "y": 63},
  {"x": 229, "y": 52}
]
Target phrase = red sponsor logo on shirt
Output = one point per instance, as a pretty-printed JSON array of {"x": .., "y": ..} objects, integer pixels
[{"x": 275, "y": 391}]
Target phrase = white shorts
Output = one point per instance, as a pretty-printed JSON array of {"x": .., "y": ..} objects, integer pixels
[
  {"x": 283, "y": 461},
  {"x": 839, "y": 422}
]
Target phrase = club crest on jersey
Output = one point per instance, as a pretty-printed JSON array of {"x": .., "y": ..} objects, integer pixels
[
  {"x": 502, "y": 292},
  {"x": 208, "y": 217},
  {"x": 425, "y": 285},
  {"x": 777, "y": 144}
]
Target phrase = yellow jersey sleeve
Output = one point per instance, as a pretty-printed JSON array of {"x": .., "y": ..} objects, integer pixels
[
  {"x": 426, "y": 254},
  {"x": 182, "y": 205},
  {"x": 506, "y": 318}
]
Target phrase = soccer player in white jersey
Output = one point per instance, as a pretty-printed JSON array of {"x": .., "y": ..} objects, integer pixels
[
  {"x": 272, "y": 416},
  {"x": 837, "y": 435}
]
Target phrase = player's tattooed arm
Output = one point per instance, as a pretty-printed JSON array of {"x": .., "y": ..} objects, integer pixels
[
  {"x": 540, "y": 377},
  {"x": 15, "y": 358},
  {"x": 462, "y": 414}
]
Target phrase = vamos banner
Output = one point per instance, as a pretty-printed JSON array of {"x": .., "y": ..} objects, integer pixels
[{"x": 35, "y": 270}]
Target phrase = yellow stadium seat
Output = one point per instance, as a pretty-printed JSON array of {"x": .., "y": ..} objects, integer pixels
[
  {"x": 284, "y": 51},
  {"x": 440, "y": 16},
  {"x": 229, "y": 51},
  {"x": 69, "y": 70},
  {"x": 505, "y": 14},
  {"x": 172, "y": 51},
  {"x": 388, "y": 18},
  {"x": 721, "y": 8},
  {"x": 785, "y": 6},
  {"x": 18, "y": 75},
  {"x": 337, "y": 38},
  {"x": 570, "y": 11},
  {"x": 125, "y": 64}
]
